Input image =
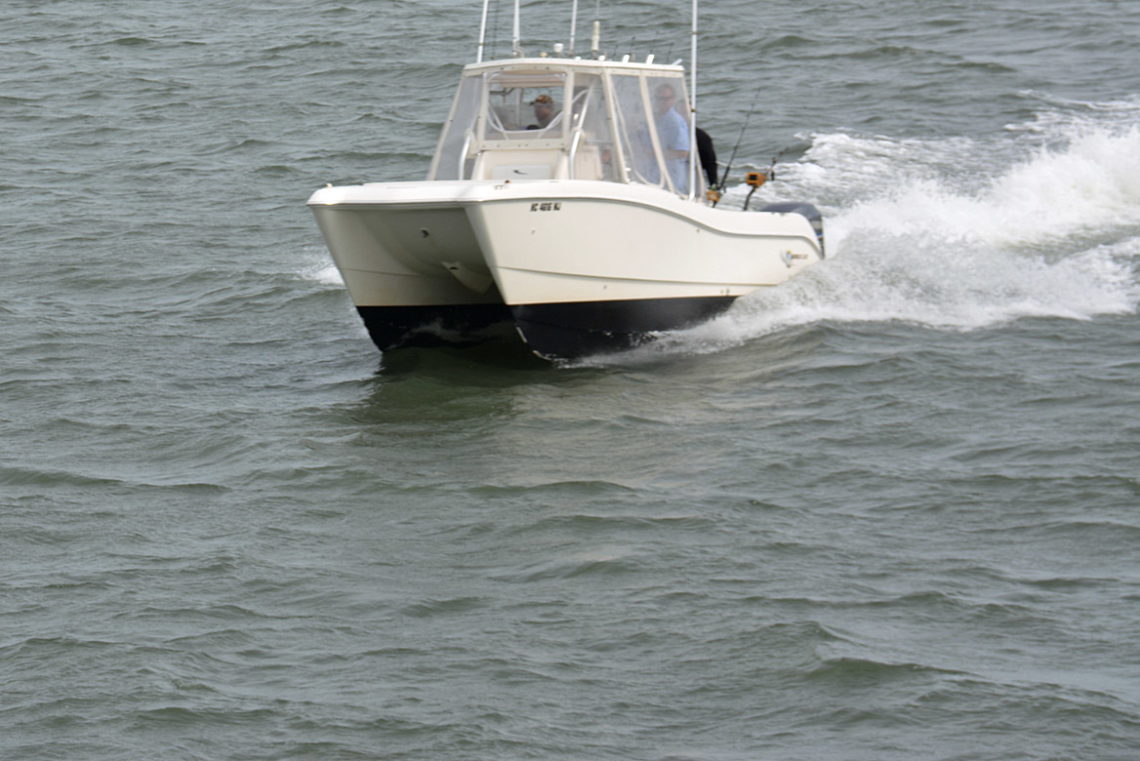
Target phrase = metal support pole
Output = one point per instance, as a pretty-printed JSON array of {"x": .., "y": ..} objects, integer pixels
[
  {"x": 515, "y": 33},
  {"x": 573, "y": 25},
  {"x": 693, "y": 108},
  {"x": 482, "y": 33}
]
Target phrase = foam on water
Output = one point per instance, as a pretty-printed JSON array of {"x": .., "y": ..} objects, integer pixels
[
  {"x": 1066, "y": 116},
  {"x": 952, "y": 233},
  {"x": 319, "y": 268},
  {"x": 955, "y": 234},
  {"x": 1077, "y": 177}
]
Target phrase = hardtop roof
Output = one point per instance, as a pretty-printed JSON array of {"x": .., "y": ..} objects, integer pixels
[{"x": 541, "y": 64}]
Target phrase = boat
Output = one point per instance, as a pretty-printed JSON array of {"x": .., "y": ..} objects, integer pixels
[{"x": 565, "y": 203}]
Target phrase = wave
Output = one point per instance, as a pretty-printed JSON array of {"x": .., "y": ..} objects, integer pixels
[
  {"x": 958, "y": 233},
  {"x": 1084, "y": 179},
  {"x": 319, "y": 268}
]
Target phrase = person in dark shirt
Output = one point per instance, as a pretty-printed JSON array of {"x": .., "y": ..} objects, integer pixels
[{"x": 707, "y": 153}]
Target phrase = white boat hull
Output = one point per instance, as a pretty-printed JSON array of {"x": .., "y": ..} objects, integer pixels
[{"x": 578, "y": 266}]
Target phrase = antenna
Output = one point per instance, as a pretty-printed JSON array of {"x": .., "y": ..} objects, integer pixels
[
  {"x": 515, "y": 49},
  {"x": 693, "y": 109},
  {"x": 482, "y": 32},
  {"x": 573, "y": 25},
  {"x": 596, "y": 39}
]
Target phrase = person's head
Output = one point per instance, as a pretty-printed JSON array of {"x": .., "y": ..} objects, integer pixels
[
  {"x": 543, "y": 109},
  {"x": 664, "y": 98}
]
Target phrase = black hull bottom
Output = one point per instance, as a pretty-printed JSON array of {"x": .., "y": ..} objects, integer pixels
[
  {"x": 552, "y": 331},
  {"x": 579, "y": 329},
  {"x": 428, "y": 326}
]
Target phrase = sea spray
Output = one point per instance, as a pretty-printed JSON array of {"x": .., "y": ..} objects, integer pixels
[{"x": 941, "y": 233}]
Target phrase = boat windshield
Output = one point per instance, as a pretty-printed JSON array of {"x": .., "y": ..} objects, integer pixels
[
  {"x": 521, "y": 103},
  {"x": 653, "y": 122},
  {"x": 592, "y": 154},
  {"x": 618, "y": 124}
]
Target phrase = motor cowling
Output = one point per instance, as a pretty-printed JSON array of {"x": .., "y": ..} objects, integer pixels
[{"x": 806, "y": 210}]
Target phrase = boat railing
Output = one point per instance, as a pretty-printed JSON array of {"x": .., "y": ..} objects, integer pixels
[
  {"x": 573, "y": 152},
  {"x": 461, "y": 170}
]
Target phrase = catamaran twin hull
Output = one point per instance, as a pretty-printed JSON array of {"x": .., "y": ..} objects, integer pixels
[{"x": 577, "y": 266}]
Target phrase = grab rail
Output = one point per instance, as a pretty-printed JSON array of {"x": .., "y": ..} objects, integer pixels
[
  {"x": 463, "y": 155},
  {"x": 574, "y": 150}
]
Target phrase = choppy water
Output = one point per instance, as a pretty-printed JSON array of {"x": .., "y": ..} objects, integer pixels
[{"x": 888, "y": 512}]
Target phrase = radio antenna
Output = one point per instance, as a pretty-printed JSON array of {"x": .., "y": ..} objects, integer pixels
[
  {"x": 573, "y": 25},
  {"x": 516, "y": 51},
  {"x": 482, "y": 33}
]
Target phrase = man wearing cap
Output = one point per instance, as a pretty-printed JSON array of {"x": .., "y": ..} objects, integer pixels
[{"x": 543, "y": 111}]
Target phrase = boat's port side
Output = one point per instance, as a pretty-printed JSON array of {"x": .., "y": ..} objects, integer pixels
[
  {"x": 452, "y": 324},
  {"x": 576, "y": 329}
]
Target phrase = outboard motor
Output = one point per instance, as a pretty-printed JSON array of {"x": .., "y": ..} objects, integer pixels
[{"x": 805, "y": 210}]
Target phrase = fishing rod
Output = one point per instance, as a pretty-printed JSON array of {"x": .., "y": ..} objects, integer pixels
[
  {"x": 724, "y": 177},
  {"x": 753, "y": 179}
]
